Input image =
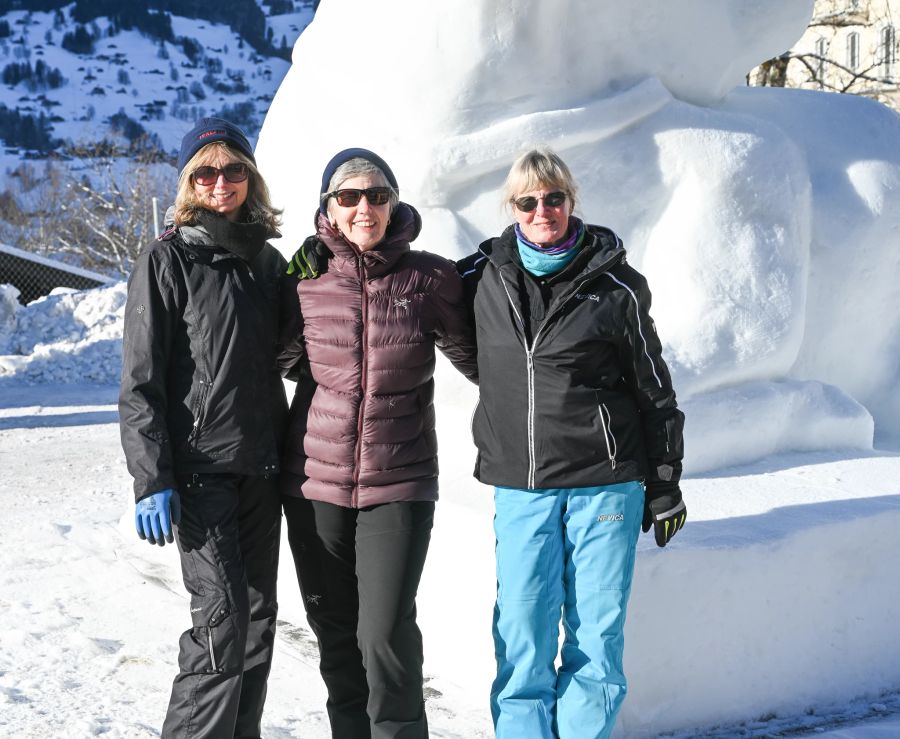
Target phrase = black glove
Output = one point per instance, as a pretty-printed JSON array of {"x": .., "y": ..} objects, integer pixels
[
  {"x": 666, "y": 514},
  {"x": 310, "y": 260}
]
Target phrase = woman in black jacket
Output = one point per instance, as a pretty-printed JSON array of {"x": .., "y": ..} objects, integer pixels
[
  {"x": 201, "y": 411},
  {"x": 578, "y": 429}
]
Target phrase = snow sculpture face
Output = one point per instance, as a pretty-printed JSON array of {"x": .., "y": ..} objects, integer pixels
[
  {"x": 362, "y": 224},
  {"x": 546, "y": 225}
]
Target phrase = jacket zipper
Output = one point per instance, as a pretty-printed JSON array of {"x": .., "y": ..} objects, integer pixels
[
  {"x": 357, "y": 457},
  {"x": 203, "y": 387},
  {"x": 212, "y": 654},
  {"x": 606, "y": 424},
  {"x": 529, "y": 363},
  {"x": 529, "y": 379}
]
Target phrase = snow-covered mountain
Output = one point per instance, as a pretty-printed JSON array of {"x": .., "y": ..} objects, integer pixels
[
  {"x": 95, "y": 96},
  {"x": 92, "y": 75}
]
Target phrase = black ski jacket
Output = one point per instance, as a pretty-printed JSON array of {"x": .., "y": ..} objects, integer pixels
[
  {"x": 201, "y": 391},
  {"x": 573, "y": 388}
]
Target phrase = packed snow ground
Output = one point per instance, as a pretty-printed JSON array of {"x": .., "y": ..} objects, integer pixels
[{"x": 773, "y": 613}]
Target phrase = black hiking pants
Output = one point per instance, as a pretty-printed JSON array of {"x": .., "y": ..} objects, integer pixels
[
  {"x": 228, "y": 540},
  {"x": 359, "y": 570}
]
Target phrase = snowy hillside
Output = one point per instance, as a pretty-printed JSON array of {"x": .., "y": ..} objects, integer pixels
[
  {"x": 95, "y": 97},
  {"x": 74, "y": 87}
]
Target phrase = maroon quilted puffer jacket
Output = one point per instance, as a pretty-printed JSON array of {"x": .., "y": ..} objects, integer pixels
[{"x": 362, "y": 431}]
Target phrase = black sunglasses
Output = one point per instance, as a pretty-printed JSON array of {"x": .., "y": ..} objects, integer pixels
[
  {"x": 349, "y": 197},
  {"x": 529, "y": 202},
  {"x": 235, "y": 172}
]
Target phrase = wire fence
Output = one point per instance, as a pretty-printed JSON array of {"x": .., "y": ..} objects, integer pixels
[{"x": 35, "y": 276}]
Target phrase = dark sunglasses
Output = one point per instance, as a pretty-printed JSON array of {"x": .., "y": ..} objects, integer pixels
[
  {"x": 236, "y": 172},
  {"x": 349, "y": 197},
  {"x": 529, "y": 202}
]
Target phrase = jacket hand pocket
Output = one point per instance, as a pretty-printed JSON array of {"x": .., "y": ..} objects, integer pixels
[{"x": 198, "y": 409}]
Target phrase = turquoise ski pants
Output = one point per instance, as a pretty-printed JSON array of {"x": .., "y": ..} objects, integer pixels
[{"x": 568, "y": 552}]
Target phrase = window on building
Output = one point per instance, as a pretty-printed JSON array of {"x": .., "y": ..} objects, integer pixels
[
  {"x": 887, "y": 52},
  {"x": 853, "y": 50},
  {"x": 821, "y": 56}
]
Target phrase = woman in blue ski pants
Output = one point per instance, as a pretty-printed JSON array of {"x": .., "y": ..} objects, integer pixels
[{"x": 578, "y": 429}]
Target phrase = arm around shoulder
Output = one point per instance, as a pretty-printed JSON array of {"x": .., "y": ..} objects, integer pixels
[{"x": 456, "y": 327}]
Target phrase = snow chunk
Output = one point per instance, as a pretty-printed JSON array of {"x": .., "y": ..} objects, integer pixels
[{"x": 68, "y": 337}]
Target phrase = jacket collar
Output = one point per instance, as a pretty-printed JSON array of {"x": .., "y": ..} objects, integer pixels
[
  {"x": 602, "y": 245},
  {"x": 243, "y": 240}
]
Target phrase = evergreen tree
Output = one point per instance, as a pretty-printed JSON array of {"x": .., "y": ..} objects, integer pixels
[{"x": 79, "y": 41}]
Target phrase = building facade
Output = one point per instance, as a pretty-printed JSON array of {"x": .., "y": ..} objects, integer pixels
[{"x": 850, "y": 46}]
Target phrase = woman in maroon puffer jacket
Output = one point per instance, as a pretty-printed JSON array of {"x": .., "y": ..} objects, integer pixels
[{"x": 359, "y": 470}]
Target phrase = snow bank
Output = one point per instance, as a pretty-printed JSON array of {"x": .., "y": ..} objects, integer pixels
[
  {"x": 756, "y": 420},
  {"x": 767, "y": 628},
  {"x": 66, "y": 337},
  {"x": 9, "y": 305}
]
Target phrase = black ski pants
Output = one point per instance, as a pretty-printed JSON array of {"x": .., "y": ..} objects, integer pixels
[
  {"x": 228, "y": 540},
  {"x": 359, "y": 570}
]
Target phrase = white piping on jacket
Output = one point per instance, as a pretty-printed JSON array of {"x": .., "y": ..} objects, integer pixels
[
  {"x": 637, "y": 313},
  {"x": 470, "y": 271}
]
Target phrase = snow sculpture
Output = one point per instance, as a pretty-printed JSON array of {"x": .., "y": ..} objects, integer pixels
[{"x": 762, "y": 218}]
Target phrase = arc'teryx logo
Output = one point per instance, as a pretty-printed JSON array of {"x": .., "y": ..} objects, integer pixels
[
  {"x": 401, "y": 303},
  {"x": 611, "y": 517}
]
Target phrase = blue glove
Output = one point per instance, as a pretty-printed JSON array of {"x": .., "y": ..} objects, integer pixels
[{"x": 155, "y": 514}]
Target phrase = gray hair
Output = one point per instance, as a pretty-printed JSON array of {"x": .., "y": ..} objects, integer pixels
[
  {"x": 359, "y": 167},
  {"x": 538, "y": 169}
]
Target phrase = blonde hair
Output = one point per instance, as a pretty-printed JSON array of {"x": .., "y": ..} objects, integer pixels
[
  {"x": 540, "y": 168},
  {"x": 258, "y": 206}
]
